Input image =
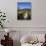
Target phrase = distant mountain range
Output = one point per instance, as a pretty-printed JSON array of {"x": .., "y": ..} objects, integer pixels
[{"x": 24, "y": 9}]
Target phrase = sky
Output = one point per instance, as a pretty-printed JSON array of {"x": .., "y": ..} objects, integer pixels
[{"x": 24, "y": 5}]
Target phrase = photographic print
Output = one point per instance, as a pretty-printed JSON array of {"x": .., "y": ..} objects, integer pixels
[{"x": 24, "y": 10}]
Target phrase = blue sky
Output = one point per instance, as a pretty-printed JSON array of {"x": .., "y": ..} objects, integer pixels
[{"x": 24, "y": 5}]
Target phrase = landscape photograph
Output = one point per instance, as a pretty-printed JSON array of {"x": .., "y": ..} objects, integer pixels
[{"x": 24, "y": 10}]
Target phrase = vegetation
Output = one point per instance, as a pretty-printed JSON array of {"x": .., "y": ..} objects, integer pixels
[{"x": 2, "y": 19}]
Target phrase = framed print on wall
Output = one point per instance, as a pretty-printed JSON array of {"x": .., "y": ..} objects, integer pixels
[{"x": 24, "y": 10}]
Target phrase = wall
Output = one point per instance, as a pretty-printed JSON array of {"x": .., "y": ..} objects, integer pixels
[
  {"x": 38, "y": 22},
  {"x": 38, "y": 13}
]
